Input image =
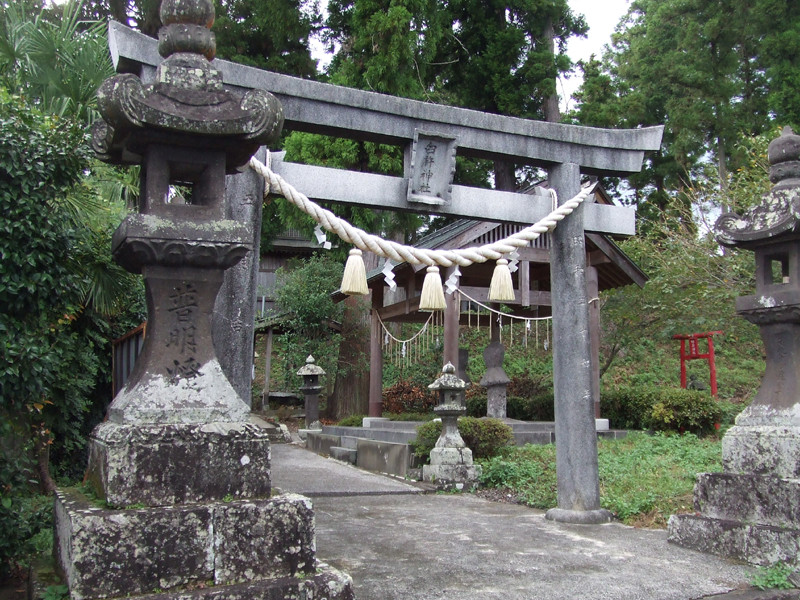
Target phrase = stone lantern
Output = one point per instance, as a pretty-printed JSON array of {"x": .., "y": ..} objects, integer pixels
[
  {"x": 766, "y": 438},
  {"x": 311, "y": 372},
  {"x": 187, "y": 132},
  {"x": 178, "y": 443},
  {"x": 451, "y": 461},
  {"x": 751, "y": 511}
]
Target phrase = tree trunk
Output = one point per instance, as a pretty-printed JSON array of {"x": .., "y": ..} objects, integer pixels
[
  {"x": 351, "y": 391},
  {"x": 504, "y": 176},
  {"x": 41, "y": 448},
  {"x": 551, "y": 112}
]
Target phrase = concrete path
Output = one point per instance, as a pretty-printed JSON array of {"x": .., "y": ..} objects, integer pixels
[{"x": 399, "y": 544}]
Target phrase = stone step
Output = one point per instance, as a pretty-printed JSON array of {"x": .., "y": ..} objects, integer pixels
[
  {"x": 757, "y": 544},
  {"x": 321, "y": 443},
  {"x": 344, "y": 454},
  {"x": 382, "y": 435},
  {"x": 384, "y": 457},
  {"x": 751, "y": 498}
]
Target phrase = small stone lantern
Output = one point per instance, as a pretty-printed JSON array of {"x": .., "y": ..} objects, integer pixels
[
  {"x": 451, "y": 465},
  {"x": 310, "y": 372}
]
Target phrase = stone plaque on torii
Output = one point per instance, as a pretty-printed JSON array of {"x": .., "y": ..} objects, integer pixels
[{"x": 435, "y": 133}]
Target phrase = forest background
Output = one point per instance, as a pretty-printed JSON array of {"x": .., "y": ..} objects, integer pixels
[{"x": 722, "y": 76}]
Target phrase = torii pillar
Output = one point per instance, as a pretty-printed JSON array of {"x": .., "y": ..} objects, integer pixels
[{"x": 576, "y": 438}]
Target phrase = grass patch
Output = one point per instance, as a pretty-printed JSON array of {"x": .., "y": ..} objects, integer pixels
[{"x": 643, "y": 478}]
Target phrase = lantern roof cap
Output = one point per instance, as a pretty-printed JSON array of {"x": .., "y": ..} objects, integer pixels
[
  {"x": 777, "y": 216},
  {"x": 449, "y": 380}
]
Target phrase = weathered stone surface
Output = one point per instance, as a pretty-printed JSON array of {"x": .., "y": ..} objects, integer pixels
[
  {"x": 383, "y": 457},
  {"x": 106, "y": 553},
  {"x": 449, "y": 477},
  {"x": 321, "y": 443},
  {"x": 576, "y": 437},
  {"x": 451, "y": 456},
  {"x": 757, "y": 544},
  {"x": 762, "y": 450},
  {"x": 326, "y": 584},
  {"x": 749, "y": 498},
  {"x": 495, "y": 380},
  {"x": 175, "y": 464},
  {"x": 235, "y": 306},
  {"x": 263, "y": 539},
  {"x": 177, "y": 378}
]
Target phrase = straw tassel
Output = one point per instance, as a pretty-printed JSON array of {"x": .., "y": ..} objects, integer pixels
[
  {"x": 432, "y": 294},
  {"x": 501, "y": 288},
  {"x": 354, "y": 280}
]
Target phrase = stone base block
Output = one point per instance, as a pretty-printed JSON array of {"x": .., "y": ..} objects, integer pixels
[
  {"x": 580, "y": 517},
  {"x": 452, "y": 477},
  {"x": 765, "y": 450},
  {"x": 160, "y": 465},
  {"x": 344, "y": 454},
  {"x": 749, "y": 498},
  {"x": 756, "y": 544},
  {"x": 326, "y": 584},
  {"x": 451, "y": 456},
  {"x": 106, "y": 553}
]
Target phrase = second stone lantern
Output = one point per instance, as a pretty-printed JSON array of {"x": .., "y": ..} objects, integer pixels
[{"x": 451, "y": 465}]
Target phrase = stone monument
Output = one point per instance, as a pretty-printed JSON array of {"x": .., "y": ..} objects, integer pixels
[
  {"x": 751, "y": 511},
  {"x": 182, "y": 476},
  {"x": 311, "y": 372},
  {"x": 495, "y": 379},
  {"x": 451, "y": 465}
]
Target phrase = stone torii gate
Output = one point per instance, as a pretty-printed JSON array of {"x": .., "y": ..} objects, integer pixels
[{"x": 566, "y": 151}]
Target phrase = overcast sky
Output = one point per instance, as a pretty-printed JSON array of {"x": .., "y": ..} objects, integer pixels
[{"x": 601, "y": 16}]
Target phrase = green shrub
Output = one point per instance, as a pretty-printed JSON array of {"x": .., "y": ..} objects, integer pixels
[
  {"x": 540, "y": 407},
  {"x": 351, "y": 421},
  {"x": 485, "y": 437},
  {"x": 529, "y": 471},
  {"x": 627, "y": 407},
  {"x": 476, "y": 404},
  {"x": 22, "y": 515},
  {"x": 662, "y": 409},
  {"x": 684, "y": 410}
]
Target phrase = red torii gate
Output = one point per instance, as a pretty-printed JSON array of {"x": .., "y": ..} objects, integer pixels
[{"x": 694, "y": 353}]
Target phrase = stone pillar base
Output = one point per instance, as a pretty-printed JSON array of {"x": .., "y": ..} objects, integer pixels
[
  {"x": 452, "y": 469},
  {"x": 158, "y": 465},
  {"x": 267, "y": 545},
  {"x": 762, "y": 449},
  {"x": 452, "y": 477},
  {"x": 754, "y": 518},
  {"x": 580, "y": 517}
]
